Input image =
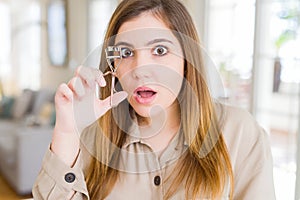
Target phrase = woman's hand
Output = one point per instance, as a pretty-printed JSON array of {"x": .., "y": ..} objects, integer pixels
[{"x": 76, "y": 108}]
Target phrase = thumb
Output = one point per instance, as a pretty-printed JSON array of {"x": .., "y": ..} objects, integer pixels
[
  {"x": 107, "y": 104},
  {"x": 118, "y": 98}
]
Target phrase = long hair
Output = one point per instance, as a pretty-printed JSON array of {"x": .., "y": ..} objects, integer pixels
[{"x": 205, "y": 167}]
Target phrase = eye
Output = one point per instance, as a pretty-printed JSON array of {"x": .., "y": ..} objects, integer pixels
[
  {"x": 126, "y": 52},
  {"x": 160, "y": 50}
]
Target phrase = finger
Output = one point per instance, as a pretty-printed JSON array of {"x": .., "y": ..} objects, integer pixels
[
  {"x": 118, "y": 98},
  {"x": 90, "y": 76},
  {"x": 105, "y": 104},
  {"x": 63, "y": 93},
  {"x": 86, "y": 75},
  {"x": 76, "y": 85},
  {"x": 100, "y": 78}
]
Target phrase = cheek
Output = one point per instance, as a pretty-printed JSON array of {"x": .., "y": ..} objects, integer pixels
[
  {"x": 180, "y": 66},
  {"x": 123, "y": 77},
  {"x": 121, "y": 72},
  {"x": 170, "y": 84},
  {"x": 179, "y": 69},
  {"x": 127, "y": 83},
  {"x": 175, "y": 63},
  {"x": 167, "y": 72},
  {"x": 172, "y": 75}
]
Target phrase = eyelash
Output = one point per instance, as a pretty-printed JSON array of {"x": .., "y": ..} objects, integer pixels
[
  {"x": 127, "y": 50},
  {"x": 124, "y": 50},
  {"x": 165, "y": 50}
]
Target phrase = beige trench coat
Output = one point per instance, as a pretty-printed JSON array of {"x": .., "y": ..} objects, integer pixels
[{"x": 143, "y": 173}]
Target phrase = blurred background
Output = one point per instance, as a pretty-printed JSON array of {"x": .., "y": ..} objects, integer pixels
[{"x": 255, "y": 46}]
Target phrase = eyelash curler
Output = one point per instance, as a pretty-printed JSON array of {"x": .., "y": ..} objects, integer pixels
[{"x": 113, "y": 56}]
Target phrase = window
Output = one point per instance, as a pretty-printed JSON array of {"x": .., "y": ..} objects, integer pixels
[
  {"x": 27, "y": 45},
  {"x": 57, "y": 33},
  {"x": 263, "y": 58},
  {"x": 100, "y": 12},
  {"x": 5, "y": 41},
  {"x": 20, "y": 49},
  {"x": 230, "y": 43},
  {"x": 278, "y": 90},
  {"x": 284, "y": 31}
]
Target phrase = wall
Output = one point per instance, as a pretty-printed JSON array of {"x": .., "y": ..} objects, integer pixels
[
  {"x": 77, "y": 10},
  {"x": 77, "y": 39},
  {"x": 52, "y": 76},
  {"x": 198, "y": 11}
]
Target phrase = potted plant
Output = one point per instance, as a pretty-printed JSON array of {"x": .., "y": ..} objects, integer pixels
[{"x": 292, "y": 18}]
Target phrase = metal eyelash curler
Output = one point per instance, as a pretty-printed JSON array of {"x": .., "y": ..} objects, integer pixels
[{"x": 113, "y": 54}]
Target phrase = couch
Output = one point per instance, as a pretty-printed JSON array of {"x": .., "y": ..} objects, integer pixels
[{"x": 26, "y": 124}]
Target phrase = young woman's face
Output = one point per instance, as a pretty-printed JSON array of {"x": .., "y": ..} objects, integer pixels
[{"x": 152, "y": 66}]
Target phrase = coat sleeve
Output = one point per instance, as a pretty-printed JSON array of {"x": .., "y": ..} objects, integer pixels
[{"x": 57, "y": 181}]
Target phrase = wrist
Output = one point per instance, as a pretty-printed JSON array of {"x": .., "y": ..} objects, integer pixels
[{"x": 65, "y": 146}]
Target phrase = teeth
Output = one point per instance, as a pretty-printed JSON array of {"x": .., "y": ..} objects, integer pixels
[{"x": 138, "y": 93}]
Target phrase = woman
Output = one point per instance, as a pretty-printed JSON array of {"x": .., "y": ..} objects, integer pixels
[{"x": 169, "y": 139}]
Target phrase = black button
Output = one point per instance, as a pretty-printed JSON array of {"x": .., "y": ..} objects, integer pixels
[
  {"x": 157, "y": 180},
  {"x": 70, "y": 177}
]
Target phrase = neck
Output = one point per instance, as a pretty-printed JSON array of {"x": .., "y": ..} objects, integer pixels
[{"x": 159, "y": 130}]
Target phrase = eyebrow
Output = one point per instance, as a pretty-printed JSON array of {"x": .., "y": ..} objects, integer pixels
[
  {"x": 159, "y": 40},
  {"x": 149, "y": 43},
  {"x": 124, "y": 43}
]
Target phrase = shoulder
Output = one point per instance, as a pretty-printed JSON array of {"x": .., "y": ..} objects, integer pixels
[
  {"x": 236, "y": 115},
  {"x": 250, "y": 153},
  {"x": 246, "y": 140},
  {"x": 238, "y": 122},
  {"x": 242, "y": 133}
]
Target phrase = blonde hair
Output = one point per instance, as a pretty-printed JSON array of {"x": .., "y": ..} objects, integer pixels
[{"x": 205, "y": 166}]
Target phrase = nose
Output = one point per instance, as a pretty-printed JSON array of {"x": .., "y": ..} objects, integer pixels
[{"x": 142, "y": 68}]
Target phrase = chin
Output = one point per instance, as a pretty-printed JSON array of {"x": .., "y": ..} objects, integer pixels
[
  {"x": 143, "y": 112},
  {"x": 149, "y": 111}
]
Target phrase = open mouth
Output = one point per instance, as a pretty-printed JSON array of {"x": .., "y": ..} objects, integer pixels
[{"x": 144, "y": 95}]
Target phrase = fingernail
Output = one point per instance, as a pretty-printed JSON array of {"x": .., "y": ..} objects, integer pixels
[{"x": 102, "y": 82}]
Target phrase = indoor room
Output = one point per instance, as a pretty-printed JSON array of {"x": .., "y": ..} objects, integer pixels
[{"x": 252, "y": 47}]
